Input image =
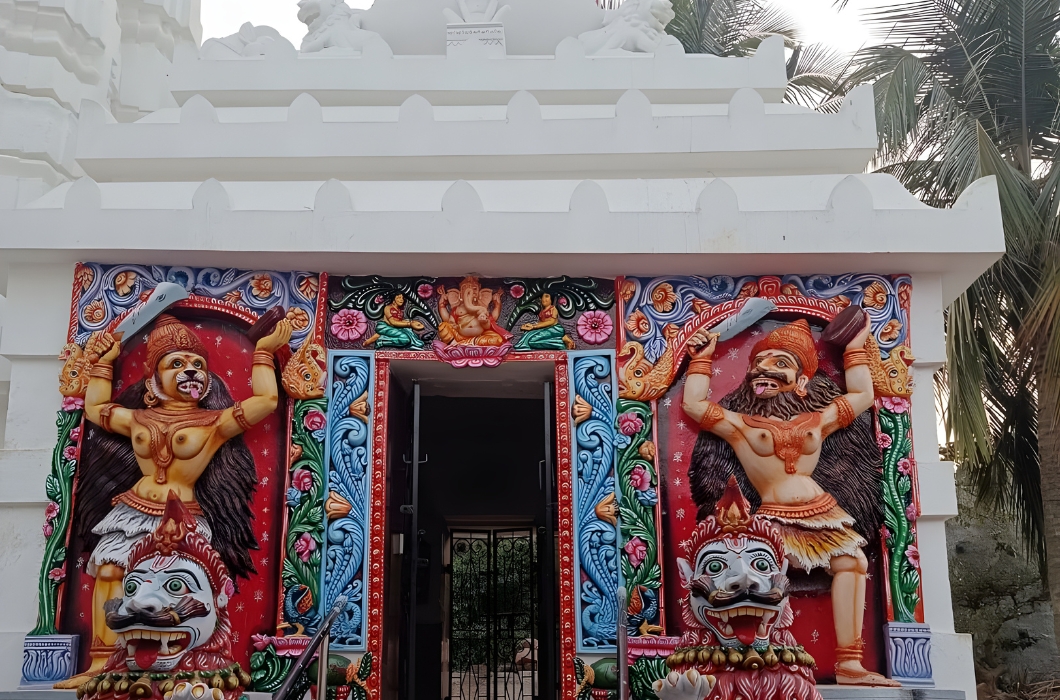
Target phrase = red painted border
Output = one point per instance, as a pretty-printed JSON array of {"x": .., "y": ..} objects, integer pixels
[
  {"x": 565, "y": 497},
  {"x": 376, "y": 575}
]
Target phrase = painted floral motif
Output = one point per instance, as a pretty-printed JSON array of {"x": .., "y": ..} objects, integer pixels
[
  {"x": 630, "y": 424},
  {"x": 299, "y": 318},
  {"x": 840, "y": 300},
  {"x": 905, "y": 295},
  {"x": 348, "y": 324},
  {"x": 261, "y": 285},
  {"x": 663, "y": 297},
  {"x": 124, "y": 282},
  {"x": 234, "y": 297},
  {"x": 790, "y": 290},
  {"x": 94, "y": 312},
  {"x": 72, "y": 403},
  {"x": 58, "y": 488},
  {"x": 899, "y": 508},
  {"x": 891, "y": 330},
  {"x": 638, "y": 324},
  {"x": 309, "y": 286},
  {"x": 639, "y": 478},
  {"x": 301, "y": 576},
  {"x": 895, "y": 404},
  {"x": 627, "y": 290},
  {"x": 302, "y": 479},
  {"x": 517, "y": 291},
  {"x": 875, "y": 296},
  {"x": 304, "y": 546},
  {"x": 424, "y": 291},
  {"x": 595, "y": 327},
  {"x": 749, "y": 289},
  {"x": 636, "y": 550},
  {"x": 84, "y": 276},
  {"x": 635, "y": 468},
  {"x": 883, "y": 440}
]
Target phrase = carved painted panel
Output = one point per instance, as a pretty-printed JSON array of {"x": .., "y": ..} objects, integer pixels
[{"x": 348, "y": 502}]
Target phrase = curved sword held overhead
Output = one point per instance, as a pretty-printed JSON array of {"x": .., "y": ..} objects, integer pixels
[
  {"x": 164, "y": 296},
  {"x": 752, "y": 311}
]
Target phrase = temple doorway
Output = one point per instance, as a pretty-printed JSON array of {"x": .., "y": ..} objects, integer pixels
[{"x": 477, "y": 589}]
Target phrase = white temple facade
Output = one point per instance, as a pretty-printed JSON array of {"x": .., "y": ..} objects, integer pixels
[{"x": 542, "y": 147}]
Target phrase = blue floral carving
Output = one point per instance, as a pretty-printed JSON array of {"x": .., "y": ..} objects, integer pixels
[
  {"x": 721, "y": 288},
  {"x": 346, "y": 536},
  {"x": 102, "y": 300},
  {"x": 597, "y": 555}
]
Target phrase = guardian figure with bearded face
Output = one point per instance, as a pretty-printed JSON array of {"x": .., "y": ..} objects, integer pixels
[
  {"x": 177, "y": 431},
  {"x": 806, "y": 451}
]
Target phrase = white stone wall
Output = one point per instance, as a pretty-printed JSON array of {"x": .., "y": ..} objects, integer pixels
[{"x": 35, "y": 317}]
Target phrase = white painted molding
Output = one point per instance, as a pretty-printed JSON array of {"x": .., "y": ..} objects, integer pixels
[
  {"x": 378, "y": 77},
  {"x": 747, "y": 140}
]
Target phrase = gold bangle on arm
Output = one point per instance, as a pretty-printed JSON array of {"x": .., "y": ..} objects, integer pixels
[
  {"x": 845, "y": 412},
  {"x": 104, "y": 415},
  {"x": 855, "y": 357},
  {"x": 102, "y": 370},
  {"x": 241, "y": 419},
  {"x": 701, "y": 365},
  {"x": 264, "y": 357},
  {"x": 713, "y": 415}
]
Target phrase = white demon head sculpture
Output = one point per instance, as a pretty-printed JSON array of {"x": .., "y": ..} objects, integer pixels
[
  {"x": 736, "y": 613},
  {"x": 172, "y": 619}
]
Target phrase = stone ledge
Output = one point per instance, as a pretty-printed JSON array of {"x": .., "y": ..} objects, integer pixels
[{"x": 835, "y": 692}]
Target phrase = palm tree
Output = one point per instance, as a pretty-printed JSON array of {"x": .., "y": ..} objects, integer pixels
[
  {"x": 737, "y": 27},
  {"x": 967, "y": 88},
  {"x": 964, "y": 89}
]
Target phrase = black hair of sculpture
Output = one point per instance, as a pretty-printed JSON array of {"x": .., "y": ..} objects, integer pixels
[
  {"x": 224, "y": 491},
  {"x": 850, "y": 467}
]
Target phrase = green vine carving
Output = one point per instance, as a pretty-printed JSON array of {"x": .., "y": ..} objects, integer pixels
[
  {"x": 305, "y": 516},
  {"x": 643, "y": 673},
  {"x": 639, "y": 486},
  {"x": 899, "y": 511},
  {"x": 59, "y": 487},
  {"x": 268, "y": 670},
  {"x": 569, "y": 294}
]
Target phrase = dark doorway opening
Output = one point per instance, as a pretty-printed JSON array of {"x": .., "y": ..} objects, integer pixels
[{"x": 484, "y": 623}]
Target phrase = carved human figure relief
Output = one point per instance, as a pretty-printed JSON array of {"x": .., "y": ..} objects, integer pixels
[
  {"x": 332, "y": 25},
  {"x": 637, "y": 25}
]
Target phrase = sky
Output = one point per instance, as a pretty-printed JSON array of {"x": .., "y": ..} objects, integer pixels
[{"x": 819, "y": 20}]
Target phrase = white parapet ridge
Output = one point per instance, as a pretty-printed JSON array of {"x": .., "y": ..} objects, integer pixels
[
  {"x": 38, "y": 130},
  {"x": 378, "y": 77},
  {"x": 747, "y": 140},
  {"x": 825, "y": 224}
]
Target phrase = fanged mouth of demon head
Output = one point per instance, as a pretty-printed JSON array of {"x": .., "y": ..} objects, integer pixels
[
  {"x": 736, "y": 582},
  {"x": 737, "y": 589},
  {"x": 164, "y": 613}
]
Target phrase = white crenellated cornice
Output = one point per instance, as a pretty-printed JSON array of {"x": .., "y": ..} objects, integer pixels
[
  {"x": 747, "y": 137},
  {"x": 377, "y": 77},
  {"x": 809, "y": 224}
]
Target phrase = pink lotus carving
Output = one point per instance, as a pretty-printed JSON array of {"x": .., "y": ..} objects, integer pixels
[{"x": 471, "y": 355}]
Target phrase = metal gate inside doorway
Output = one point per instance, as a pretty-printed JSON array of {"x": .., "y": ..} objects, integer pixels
[{"x": 493, "y": 615}]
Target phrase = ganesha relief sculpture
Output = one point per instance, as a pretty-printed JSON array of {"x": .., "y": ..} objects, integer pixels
[
  {"x": 468, "y": 331},
  {"x": 175, "y": 431},
  {"x": 806, "y": 452},
  {"x": 170, "y": 619},
  {"x": 737, "y": 615}
]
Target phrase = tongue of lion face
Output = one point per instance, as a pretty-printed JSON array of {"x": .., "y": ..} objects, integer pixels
[
  {"x": 147, "y": 653},
  {"x": 745, "y": 627}
]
